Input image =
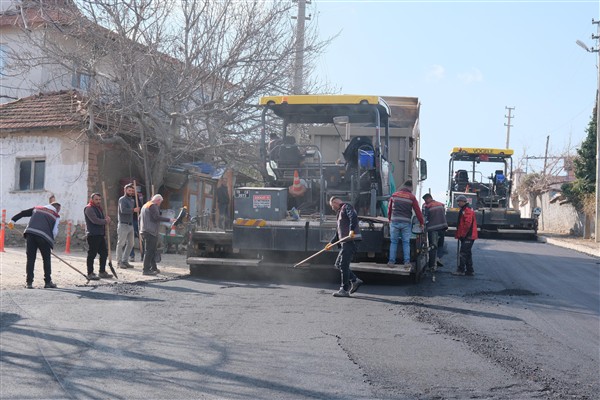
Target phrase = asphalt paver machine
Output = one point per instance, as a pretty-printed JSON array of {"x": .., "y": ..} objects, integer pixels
[
  {"x": 289, "y": 217},
  {"x": 484, "y": 176}
]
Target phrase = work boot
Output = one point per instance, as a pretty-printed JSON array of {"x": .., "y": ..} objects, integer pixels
[
  {"x": 355, "y": 285},
  {"x": 93, "y": 277},
  {"x": 127, "y": 264},
  {"x": 50, "y": 285},
  {"x": 470, "y": 273},
  {"x": 156, "y": 270},
  {"x": 29, "y": 285},
  {"x": 341, "y": 293},
  {"x": 149, "y": 273},
  {"x": 104, "y": 275}
]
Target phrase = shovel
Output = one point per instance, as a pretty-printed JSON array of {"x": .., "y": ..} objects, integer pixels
[
  {"x": 182, "y": 214},
  {"x": 457, "y": 254},
  {"x": 137, "y": 205},
  {"x": 321, "y": 251},
  {"x": 69, "y": 265},
  {"x": 108, "y": 232}
]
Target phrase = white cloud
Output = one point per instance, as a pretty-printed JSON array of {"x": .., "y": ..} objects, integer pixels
[
  {"x": 436, "y": 73},
  {"x": 472, "y": 76}
]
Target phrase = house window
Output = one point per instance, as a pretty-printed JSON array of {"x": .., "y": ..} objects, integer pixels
[
  {"x": 82, "y": 81},
  {"x": 3, "y": 56},
  {"x": 31, "y": 174}
]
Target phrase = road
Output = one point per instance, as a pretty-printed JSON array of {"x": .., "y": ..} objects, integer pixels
[{"x": 526, "y": 326}]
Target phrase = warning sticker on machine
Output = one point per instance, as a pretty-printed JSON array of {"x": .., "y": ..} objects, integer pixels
[{"x": 261, "y": 201}]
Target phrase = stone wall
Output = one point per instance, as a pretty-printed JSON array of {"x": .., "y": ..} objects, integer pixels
[{"x": 556, "y": 218}]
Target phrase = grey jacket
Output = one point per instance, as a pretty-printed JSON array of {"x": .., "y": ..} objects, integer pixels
[
  {"x": 126, "y": 206},
  {"x": 150, "y": 219}
]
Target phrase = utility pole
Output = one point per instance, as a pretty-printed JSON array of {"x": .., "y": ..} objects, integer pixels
[
  {"x": 546, "y": 154},
  {"x": 596, "y": 50},
  {"x": 597, "y": 224},
  {"x": 298, "y": 78},
  {"x": 298, "y": 81},
  {"x": 509, "y": 116}
]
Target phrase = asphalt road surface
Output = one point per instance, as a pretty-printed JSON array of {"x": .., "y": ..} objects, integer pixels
[{"x": 526, "y": 326}]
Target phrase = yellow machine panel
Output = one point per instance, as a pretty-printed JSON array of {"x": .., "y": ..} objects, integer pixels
[
  {"x": 482, "y": 150},
  {"x": 322, "y": 99}
]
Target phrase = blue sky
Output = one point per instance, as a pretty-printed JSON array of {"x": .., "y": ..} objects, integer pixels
[{"x": 467, "y": 61}]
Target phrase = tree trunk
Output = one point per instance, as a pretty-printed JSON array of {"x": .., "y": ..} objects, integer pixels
[{"x": 587, "y": 226}]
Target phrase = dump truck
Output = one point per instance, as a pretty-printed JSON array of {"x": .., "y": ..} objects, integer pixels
[
  {"x": 488, "y": 195},
  {"x": 360, "y": 148}
]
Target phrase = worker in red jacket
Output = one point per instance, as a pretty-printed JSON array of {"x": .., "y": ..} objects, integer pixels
[{"x": 466, "y": 233}]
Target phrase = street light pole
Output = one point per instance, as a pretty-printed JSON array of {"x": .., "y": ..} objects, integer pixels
[{"x": 596, "y": 50}]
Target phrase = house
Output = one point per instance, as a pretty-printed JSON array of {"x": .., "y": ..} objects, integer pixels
[
  {"x": 73, "y": 126},
  {"x": 53, "y": 125},
  {"x": 16, "y": 16},
  {"x": 47, "y": 151},
  {"x": 556, "y": 216}
]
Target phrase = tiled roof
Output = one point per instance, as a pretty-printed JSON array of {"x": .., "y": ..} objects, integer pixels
[
  {"x": 44, "y": 110},
  {"x": 58, "y": 11}
]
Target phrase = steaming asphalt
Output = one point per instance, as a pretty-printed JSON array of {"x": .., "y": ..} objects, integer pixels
[{"x": 525, "y": 326}]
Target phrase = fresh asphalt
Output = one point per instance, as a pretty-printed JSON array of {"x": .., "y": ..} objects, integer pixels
[{"x": 525, "y": 326}]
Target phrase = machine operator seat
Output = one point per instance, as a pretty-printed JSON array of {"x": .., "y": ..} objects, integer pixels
[
  {"x": 289, "y": 153},
  {"x": 461, "y": 180}
]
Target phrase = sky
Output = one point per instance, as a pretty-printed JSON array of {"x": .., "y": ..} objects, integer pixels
[{"x": 467, "y": 61}]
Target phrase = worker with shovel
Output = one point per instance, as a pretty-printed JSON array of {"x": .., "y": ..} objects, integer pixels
[
  {"x": 95, "y": 230},
  {"x": 40, "y": 233},
  {"x": 349, "y": 233}
]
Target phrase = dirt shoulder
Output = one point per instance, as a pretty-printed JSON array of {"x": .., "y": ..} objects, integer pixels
[
  {"x": 13, "y": 261},
  {"x": 587, "y": 246}
]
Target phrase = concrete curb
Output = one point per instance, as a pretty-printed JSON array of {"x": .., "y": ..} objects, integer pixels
[{"x": 568, "y": 245}]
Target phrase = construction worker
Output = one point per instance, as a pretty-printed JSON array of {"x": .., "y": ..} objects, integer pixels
[
  {"x": 435, "y": 219},
  {"x": 347, "y": 226},
  {"x": 125, "y": 229},
  {"x": 40, "y": 233},
  {"x": 150, "y": 220},
  {"x": 401, "y": 205},
  {"x": 466, "y": 233},
  {"x": 95, "y": 232}
]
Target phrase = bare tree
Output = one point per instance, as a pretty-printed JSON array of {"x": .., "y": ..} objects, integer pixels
[
  {"x": 539, "y": 180},
  {"x": 186, "y": 73}
]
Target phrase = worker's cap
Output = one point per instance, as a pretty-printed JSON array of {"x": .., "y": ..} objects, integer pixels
[{"x": 461, "y": 197}]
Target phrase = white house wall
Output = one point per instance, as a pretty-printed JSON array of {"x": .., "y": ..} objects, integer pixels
[
  {"x": 42, "y": 78},
  {"x": 65, "y": 175}
]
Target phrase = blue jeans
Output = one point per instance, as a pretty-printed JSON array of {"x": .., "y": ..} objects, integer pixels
[{"x": 396, "y": 230}]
